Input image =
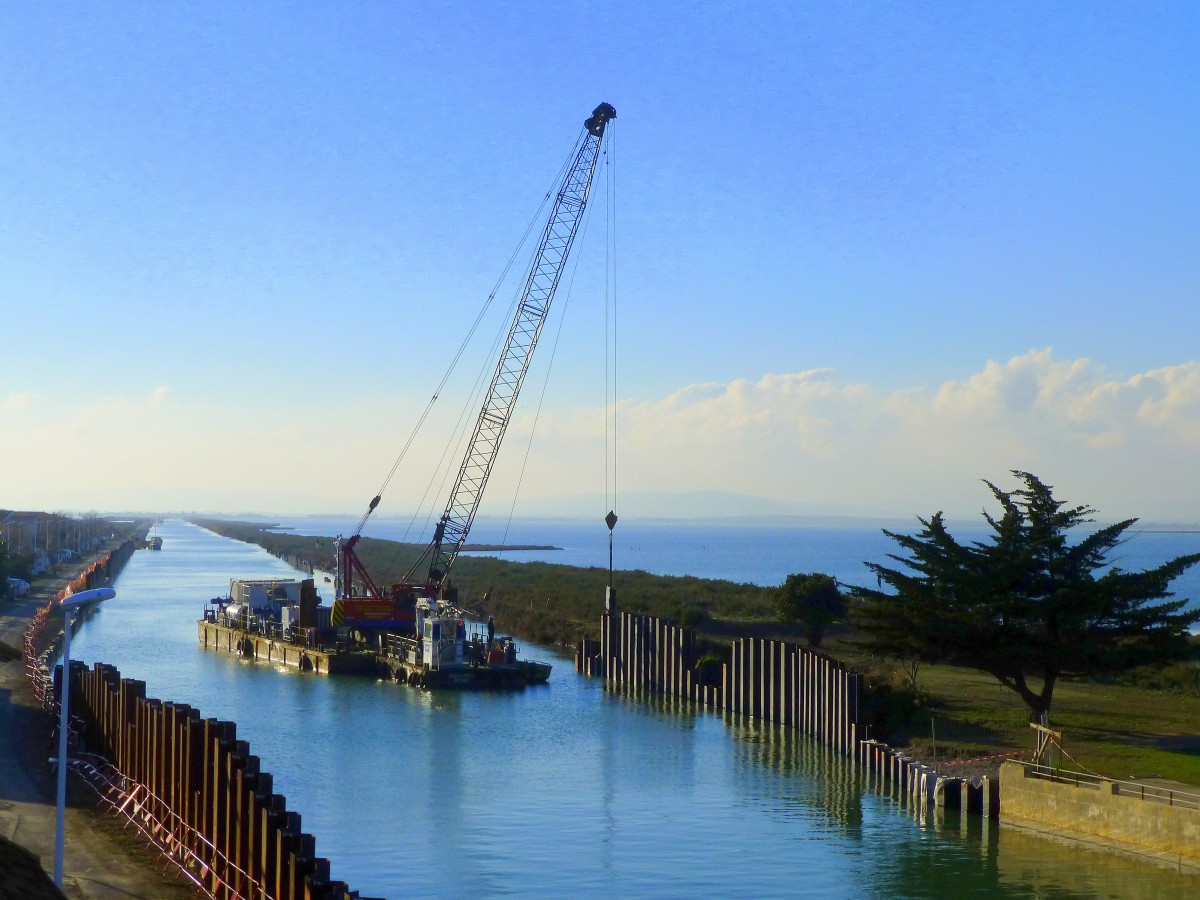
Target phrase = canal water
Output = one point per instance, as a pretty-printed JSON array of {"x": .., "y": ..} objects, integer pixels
[{"x": 561, "y": 790}]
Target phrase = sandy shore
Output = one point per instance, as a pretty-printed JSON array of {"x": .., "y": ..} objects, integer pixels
[{"x": 101, "y": 861}]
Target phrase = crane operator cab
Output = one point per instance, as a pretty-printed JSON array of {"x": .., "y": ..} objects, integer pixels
[{"x": 440, "y": 633}]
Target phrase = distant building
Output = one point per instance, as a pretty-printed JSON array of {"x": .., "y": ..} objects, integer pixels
[{"x": 55, "y": 536}]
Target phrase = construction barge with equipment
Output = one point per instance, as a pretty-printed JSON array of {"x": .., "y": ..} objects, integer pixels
[
  {"x": 282, "y": 622},
  {"x": 412, "y": 629}
]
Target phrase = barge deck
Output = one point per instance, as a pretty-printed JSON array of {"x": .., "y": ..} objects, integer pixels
[{"x": 477, "y": 664}]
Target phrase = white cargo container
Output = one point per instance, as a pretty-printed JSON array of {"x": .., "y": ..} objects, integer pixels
[{"x": 262, "y": 593}]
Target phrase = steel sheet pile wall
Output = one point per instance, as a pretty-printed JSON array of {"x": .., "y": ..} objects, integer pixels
[
  {"x": 774, "y": 681},
  {"x": 193, "y": 778},
  {"x": 925, "y": 786},
  {"x": 295, "y": 560},
  {"x": 105, "y": 571}
]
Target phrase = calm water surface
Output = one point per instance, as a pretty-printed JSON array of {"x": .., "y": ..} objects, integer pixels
[{"x": 562, "y": 790}]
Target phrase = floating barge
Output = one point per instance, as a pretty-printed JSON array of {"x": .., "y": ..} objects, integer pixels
[
  {"x": 281, "y": 622},
  {"x": 225, "y": 636}
]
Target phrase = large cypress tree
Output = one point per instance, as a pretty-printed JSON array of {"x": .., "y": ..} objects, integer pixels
[{"x": 1025, "y": 605}]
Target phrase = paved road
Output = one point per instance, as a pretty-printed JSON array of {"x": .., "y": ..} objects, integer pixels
[{"x": 101, "y": 862}]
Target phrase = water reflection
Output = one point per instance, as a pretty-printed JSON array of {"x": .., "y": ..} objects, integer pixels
[{"x": 826, "y": 791}]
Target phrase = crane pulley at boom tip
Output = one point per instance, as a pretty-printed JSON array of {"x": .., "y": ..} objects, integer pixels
[
  {"x": 599, "y": 118},
  {"x": 397, "y": 607}
]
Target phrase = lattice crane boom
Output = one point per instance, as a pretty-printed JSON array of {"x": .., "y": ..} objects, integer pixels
[
  {"x": 532, "y": 309},
  {"x": 394, "y": 607}
]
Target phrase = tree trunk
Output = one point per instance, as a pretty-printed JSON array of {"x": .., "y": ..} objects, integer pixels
[
  {"x": 1039, "y": 704},
  {"x": 816, "y": 631}
]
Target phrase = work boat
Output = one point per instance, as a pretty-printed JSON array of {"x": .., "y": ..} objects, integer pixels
[{"x": 449, "y": 651}]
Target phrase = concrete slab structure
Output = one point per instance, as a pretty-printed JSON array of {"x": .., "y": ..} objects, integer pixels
[{"x": 1161, "y": 823}]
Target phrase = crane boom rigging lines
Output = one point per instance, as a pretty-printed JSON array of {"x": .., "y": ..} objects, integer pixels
[
  {"x": 532, "y": 309},
  {"x": 363, "y": 604},
  {"x": 455, "y": 359}
]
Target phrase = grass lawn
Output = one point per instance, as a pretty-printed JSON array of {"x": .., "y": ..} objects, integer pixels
[{"x": 1113, "y": 730}]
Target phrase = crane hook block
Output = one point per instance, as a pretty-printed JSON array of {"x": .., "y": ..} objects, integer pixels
[{"x": 600, "y": 117}]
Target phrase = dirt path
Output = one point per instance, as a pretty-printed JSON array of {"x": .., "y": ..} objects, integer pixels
[{"x": 100, "y": 861}]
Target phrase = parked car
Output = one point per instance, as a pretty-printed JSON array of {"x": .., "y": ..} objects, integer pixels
[{"x": 18, "y": 587}]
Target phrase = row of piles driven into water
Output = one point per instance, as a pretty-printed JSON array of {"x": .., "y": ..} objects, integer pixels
[{"x": 770, "y": 681}]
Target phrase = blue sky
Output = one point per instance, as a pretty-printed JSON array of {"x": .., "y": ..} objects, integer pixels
[{"x": 866, "y": 253}]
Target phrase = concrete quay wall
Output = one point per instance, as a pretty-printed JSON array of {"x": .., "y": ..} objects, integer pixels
[{"x": 1158, "y": 825}]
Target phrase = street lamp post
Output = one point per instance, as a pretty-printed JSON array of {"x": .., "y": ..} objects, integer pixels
[{"x": 69, "y": 604}]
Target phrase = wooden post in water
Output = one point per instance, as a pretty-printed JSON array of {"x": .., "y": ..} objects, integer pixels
[
  {"x": 754, "y": 677},
  {"x": 737, "y": 703}
]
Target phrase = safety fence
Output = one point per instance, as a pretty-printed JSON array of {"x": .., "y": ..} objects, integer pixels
[
  {"x": 1141, "y": 790},
  {"x": 39, "y": 643}
]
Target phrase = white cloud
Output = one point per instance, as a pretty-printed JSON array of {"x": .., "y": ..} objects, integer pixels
[
  {"x": 1124, "y": 445},
  {"x": 815, "y": 436},
  {"x": 16, "y": 402}
]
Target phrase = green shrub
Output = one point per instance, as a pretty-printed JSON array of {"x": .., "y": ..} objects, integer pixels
[{"x": 889, "y": 703}]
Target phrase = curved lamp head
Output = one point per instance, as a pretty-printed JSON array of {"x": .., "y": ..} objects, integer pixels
[{"x": 81, "y": 598}]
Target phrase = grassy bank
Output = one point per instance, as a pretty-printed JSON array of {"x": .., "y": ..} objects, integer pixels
[{"x": 1117, "y": 730}]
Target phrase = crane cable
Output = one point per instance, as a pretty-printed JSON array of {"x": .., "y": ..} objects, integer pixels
[
  {"x": 453, "y": 449},
  {"x": 610, "y": 235},
  {"x": 610, "y": 344},
  {"x": 466, "y": 340}
]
